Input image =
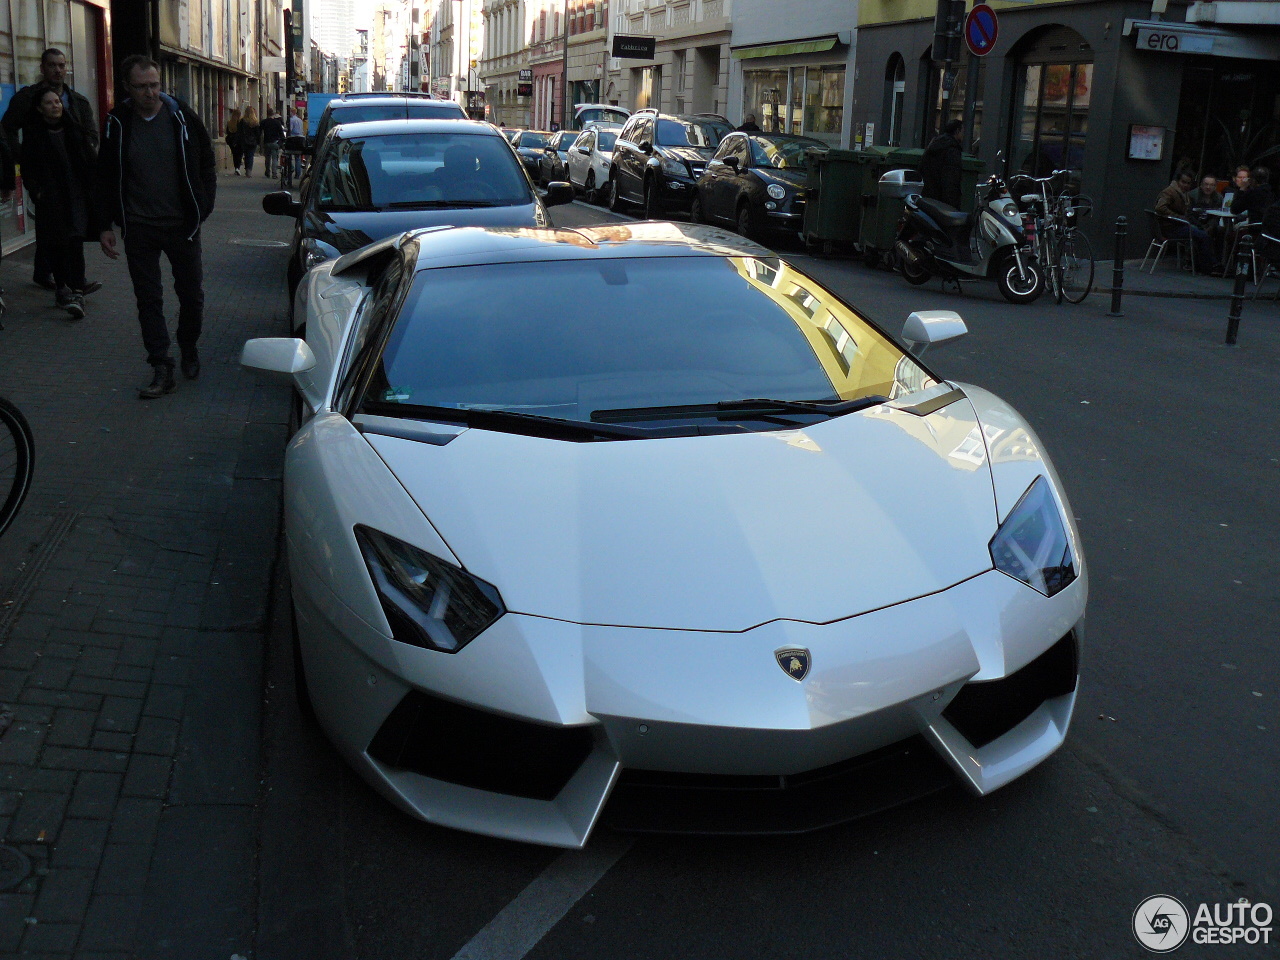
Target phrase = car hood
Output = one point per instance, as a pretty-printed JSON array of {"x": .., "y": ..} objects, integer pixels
[
  {"x": 717, "y": 533},
  {"x": 350, "y": 231},
  {"x": 698, "y": 155},
  {"x": 795, "y": 179}
]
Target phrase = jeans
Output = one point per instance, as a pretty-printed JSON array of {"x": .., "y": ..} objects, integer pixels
[
  {"x": 1206, "y": 258},
  {"x": 271, "y": 156},
  {"x": 248, "y": 160},
  {"x": 143, "y": 245}
]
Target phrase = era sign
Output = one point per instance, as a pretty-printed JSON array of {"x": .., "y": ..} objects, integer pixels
[{"x": 1169, "y": 41}]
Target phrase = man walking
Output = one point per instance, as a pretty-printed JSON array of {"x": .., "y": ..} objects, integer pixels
[
  {"x": 20, "y": 112},
  {"x": 157, "y": 178},
  {"x": 296, "y": 130},
  {"x": 272, "y": 138},
  {"x": 940, "y": 167}
]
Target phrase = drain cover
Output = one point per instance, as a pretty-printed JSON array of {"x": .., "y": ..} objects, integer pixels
[
  {"x": 250, "y": 242},
  {"x": 14, "y": 867}
]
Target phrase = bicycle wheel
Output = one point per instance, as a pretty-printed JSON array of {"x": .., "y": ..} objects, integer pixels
[
  {"x": 1049, "y": 262},
  {"x": 17, "y": 458},
  {"x": 1075, "y": 265}
]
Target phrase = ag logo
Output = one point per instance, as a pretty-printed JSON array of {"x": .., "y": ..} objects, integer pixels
[
  {"x": 794, "y": 661},
  {"x": 1161, "y": 924}
]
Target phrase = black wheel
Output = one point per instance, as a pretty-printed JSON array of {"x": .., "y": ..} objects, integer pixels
[
  {"x": 592, "y": 194},
  {"x": 746, "y": 222},
  {"x": 695, "y": 211},
  {"x": 651, "y": 211},
  {"x": 1075, "y": 266},
  {"x": 616, "y": 203},
  {"x": 17, "y": 461},
  {"x": 1023, "y": 286},
  {"x": 913, "y": 272}
]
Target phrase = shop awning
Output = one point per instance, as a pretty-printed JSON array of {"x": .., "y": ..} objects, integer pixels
[
  {"x": 1162, "y": 36},
  {"x": 789, "y": 49}
]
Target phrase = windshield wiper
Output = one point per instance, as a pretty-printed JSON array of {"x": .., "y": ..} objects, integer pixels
[
  {"x": 485, "y": 418},
  {"x": 427, "y": 204},
  {"x": 346, "y": 208},
  {"x": 833, "y": 408}
]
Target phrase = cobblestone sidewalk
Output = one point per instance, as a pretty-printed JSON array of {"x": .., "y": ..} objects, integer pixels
[{"x": 134, "y": 592}]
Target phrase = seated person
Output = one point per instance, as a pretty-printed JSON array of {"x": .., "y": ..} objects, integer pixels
[
  {"x": 1173, "y": 202},
  {"x": 1239, "y": 184},
  {"x": 1205, "y": 197},
  {"x": 1253, "y": 202}
]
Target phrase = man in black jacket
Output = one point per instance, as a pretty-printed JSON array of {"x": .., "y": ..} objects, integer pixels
[
  {"x": 53, "y": 76},
  {"x": 940, "y": 167},
  {"x": 157, "y": 180}
]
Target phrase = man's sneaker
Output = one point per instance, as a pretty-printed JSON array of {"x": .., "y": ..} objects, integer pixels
[
  {"x": 191, "y": 365},
  {"x": 75, "y": 307},
  {"x": 90, "y": 286},
  {"x": 46, "y": 281},
  {"x": 161, "y": 383}
]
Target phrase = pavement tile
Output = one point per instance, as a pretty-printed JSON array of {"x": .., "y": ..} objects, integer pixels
[
  {"x": 157, "y": 735},
  {"x": 71, "y": 728},
  {"x": 164, "y": 701},
  {"x": 135, "y": 820},
  {"x": 95, "y": 795},
  {"x": 120, "y": 714},
  {"x": 51, "y": 673},
  {"x": 69, "y": 758},
  {"x": 50, "y": 939},
  {"x": 39, "y": 817},
  {"x": 124, "y": 868},
  {"x": 14, "y": 910},
  {"x": 110, "y": 923},
  {"x": 64, "y": 896},
  {"x": 80, "y": 843},
  {"x": 148, "y": 776},
  {"x": 110, "y": 740},
  {"x": 21, "y": 743},
  {"x": 13, "y": 777},
  {"x": 20, "y": 654},
  {"x": 63, "y": 698}
]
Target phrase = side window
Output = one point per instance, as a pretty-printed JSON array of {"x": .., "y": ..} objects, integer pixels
[
  {"x": 645, "y": 133},
  {"x": 369, "y": 329},
  {"x": 628, "y": 132},
  {"x": 738, "y": 149}
]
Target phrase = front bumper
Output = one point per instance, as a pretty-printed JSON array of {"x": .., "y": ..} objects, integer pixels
[{"x": 432, "y": 731}]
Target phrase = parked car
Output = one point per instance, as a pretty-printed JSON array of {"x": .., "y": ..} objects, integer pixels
[
  {"x": 659, "y": 157},
  {"x": 510, "y": 133},
  {"x": 589, "y": 159},
  {"x": 363, "y": 107},
  {"x": 552, "y": 566},
  {"x": 756, "y": 183},
  {"x": 585, "y": 114},
  {"x": 528, "y": 145},
  {"x": 378, "y": 179},
  {"x": 553, "y": 164}
]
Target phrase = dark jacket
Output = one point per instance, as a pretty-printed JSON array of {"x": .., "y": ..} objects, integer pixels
[
  {"x": 272, "y": 130},
  {"x": 1253, "y": 202},
  {"x": 250, "y": 135},
  {"x": 23, "y": 106},
  {"x": 749, "y": 127},
  {"x": 7, "y": 179},
  {"x": 194, "y": 149},
  {"x": 940, "y": 169},
  {"x": 61, "y": 182}
]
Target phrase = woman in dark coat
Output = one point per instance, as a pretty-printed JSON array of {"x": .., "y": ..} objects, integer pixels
[{"x": 58, "y": 164}]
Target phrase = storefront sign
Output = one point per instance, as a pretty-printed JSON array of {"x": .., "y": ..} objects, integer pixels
[
  {"x": 1171, "y": 41},
  {"x": 475, "y": 100},
  {"x": 525, "y": 87},
  {"x": 981, "y": 27},
  {"x": 634, "y": 48},
  {"x": 1145, "y": 143}
]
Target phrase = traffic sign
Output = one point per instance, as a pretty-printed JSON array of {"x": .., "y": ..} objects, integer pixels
[{"x": 980, "y": 30}]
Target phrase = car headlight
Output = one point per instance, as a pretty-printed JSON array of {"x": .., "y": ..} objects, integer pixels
[
  {"x": 316, "y": 252},
  {"x": 674, "y": 167},
  {"x": 777, "y": 192},
  {"x": 1032, "y": 544},
  {"x": 428, "y": 602}
]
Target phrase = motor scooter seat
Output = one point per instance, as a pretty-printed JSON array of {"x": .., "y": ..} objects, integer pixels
[{"x": 945, "y": 215}]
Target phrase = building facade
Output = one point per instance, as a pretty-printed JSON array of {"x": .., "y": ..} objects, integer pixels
[
  {"x": 690, "y": 69},
  {"x": 794, "y": 75}
]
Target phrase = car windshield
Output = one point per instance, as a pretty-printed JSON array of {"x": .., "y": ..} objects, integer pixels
[
  {"x": 691, "y": 133},
  {"x": 783, "y": 153},
  {"x": 532, "y": 140},
  {"x": 566, "y": 140},
  {"x": 428, "y": 169},
  {"x": 605, "y": 140},
  {"x": 678, "y": 331}
]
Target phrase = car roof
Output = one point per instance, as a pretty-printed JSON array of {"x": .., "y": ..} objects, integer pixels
[
  {"x": 363, "y": 99},
  {"x": 477, "y": 246},
  {"x": 382, "y": 128}
]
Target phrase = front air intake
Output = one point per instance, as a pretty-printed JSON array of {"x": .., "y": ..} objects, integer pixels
[
  {"x": 473, "y": 748},
  {"x": 987, "y": 709}
]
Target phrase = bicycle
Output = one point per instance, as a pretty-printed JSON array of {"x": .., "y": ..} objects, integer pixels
[
  {"x": 17, "y": 460},
  {"x": 1060, "y": 244}
]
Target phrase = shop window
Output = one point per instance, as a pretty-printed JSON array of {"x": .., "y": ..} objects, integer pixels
[
  {"x": 1051, "y": 104},
  {"x": 805, "y": 101}
]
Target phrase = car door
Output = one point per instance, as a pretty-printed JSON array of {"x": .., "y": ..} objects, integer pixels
[
  {"x": 580, "y": 157},
  {"x": 717, "y": 202},
  {"x": 634, "y": 159},
  {"x": 736, "y": 181}
]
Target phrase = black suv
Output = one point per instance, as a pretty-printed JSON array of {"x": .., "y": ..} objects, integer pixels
[{"x": 659, "y": 157}]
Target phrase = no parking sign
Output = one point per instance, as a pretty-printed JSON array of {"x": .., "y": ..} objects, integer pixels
[{"x": 980, "y": 30}]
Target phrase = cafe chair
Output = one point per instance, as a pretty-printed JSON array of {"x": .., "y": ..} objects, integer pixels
[
  {"x": 1183, "y": 246},
  {"x": 1267, "y": 252}
]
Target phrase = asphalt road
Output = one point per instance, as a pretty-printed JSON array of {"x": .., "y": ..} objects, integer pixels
[{"x": 1168, "y": 445}]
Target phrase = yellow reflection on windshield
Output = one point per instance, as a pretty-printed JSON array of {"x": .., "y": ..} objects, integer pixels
[{"x": 857, "y": 358}]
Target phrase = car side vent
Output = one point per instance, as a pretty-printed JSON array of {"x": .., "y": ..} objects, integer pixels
[
  {"x": 473, "y": 748},
  {"x": 988, "y": 709}
]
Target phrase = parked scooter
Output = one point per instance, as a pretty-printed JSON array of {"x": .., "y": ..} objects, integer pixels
[{"x": 937, "y": 240}]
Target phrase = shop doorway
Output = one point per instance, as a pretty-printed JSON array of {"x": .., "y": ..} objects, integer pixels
[{"x": 1051, "y": 103}]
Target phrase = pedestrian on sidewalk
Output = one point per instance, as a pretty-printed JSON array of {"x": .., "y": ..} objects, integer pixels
[
  {"x": 272, "y": 138},
  {"x": 749, "y": 124},
  {"x": 296, "y": 130},
  {"x": 233, "y": 139},
  {"x": 940, "y": 167},
  {"x": 58, "y": 169},
  {"x": 22, "y": 107},
  {"x": 250, "y": 137},
  {"x": 157, "y": 179}
]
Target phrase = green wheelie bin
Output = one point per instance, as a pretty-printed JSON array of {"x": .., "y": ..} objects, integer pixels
[{"x": 834, "y": 188}]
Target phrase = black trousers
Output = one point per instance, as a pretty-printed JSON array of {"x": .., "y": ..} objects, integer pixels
[
  {"x": 43, "y": 266},
  {"x": 142, "y": 248},
  {"x": 67, "y": 257}
]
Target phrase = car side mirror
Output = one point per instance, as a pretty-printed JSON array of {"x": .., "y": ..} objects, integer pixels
[
  {"x": 584, "y": 151},
  {"x": 280, "y": 203},
  {"x": 926, "y": 327},
  {"x": 646, "y": 146},
  {"x": 297, "y": 143},
  {"x": 731, "y": 163},
  {"x": 558, "y": 193},
  {"x": 278, "y": 358}
]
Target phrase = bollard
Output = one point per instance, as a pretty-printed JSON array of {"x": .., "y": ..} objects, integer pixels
[
  {"x": 1244, "y": 253},
  {"x": 1117, "y": 269}
]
